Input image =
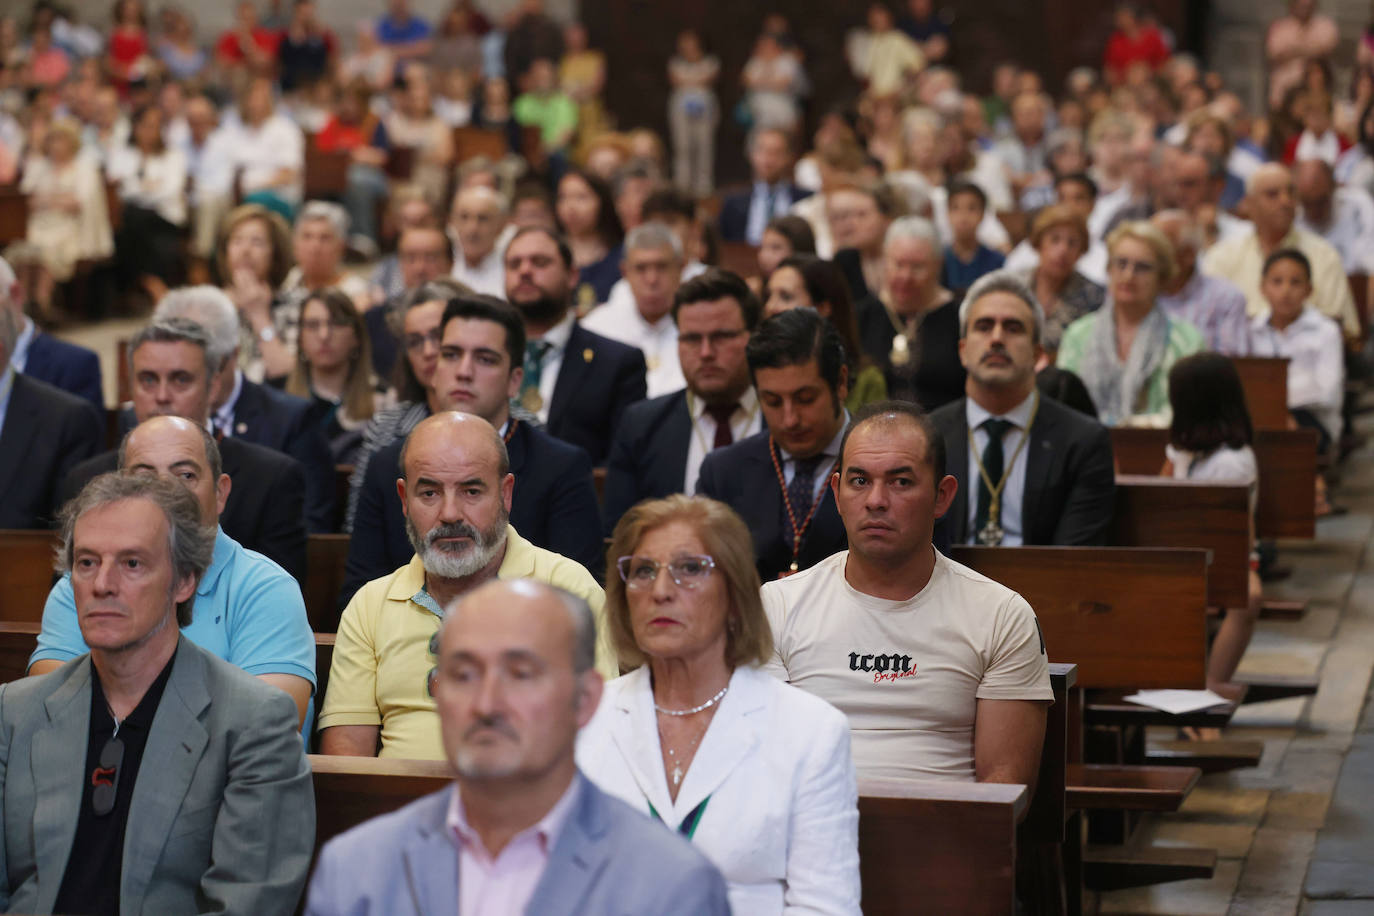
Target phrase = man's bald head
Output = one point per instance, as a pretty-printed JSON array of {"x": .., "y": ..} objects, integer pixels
[
  {"x": 178, "y": 448},
  {"x": 452, "y": 432}
]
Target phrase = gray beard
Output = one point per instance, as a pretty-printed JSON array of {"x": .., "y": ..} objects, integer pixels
[{"x": 461, "y": 563}]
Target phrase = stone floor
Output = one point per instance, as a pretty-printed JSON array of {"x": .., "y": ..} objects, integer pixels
[{"x": 1295, "y": 835}]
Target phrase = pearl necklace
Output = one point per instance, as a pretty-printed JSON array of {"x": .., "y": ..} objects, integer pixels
[{"x": 695, "y": 709}]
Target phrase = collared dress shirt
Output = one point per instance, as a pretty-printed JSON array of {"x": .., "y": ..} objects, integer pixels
[
  {"x": 1349, "y": 230},
  {"x": 745, "y": 421},
  {"x": 1216, "y": 307},
  {"x": 658, "y": 342},
  {"x": 823, "y": 470},
  {"x": 557, "y": 339},
  {"x": 1014, "y": 491},
  {"x": 1316, "y": 365}
]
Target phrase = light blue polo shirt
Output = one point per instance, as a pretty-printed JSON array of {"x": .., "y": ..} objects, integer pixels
[{"x": 248, "y": 611}]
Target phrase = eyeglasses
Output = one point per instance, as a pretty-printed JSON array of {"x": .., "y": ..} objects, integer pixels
[
  {"x": 717, "y": 339},
  {"x": 105, "y": 779},
  {"x": 418, "y": 341},
  {"x": 1127, "y": 266},
  {"x": 687, "y": 571}
]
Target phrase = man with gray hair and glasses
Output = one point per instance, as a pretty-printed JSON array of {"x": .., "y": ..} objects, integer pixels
[
  {"x": 513, "y": 684},
  {"x": 1030, "y": 470},
  {"x": 88, "y": 831}
]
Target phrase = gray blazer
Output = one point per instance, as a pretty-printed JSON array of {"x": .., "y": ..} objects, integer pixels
[
  {"x": 223, "y": 813},
  {"x": 609, "y": 860}
]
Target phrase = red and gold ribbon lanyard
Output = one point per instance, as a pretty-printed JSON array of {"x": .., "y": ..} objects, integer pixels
[{"x": 798, "y": 531}]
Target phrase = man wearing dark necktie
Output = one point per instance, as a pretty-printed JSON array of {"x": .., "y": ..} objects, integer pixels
[
  {"x": 1039, "y": 472},
  {"x": 778, "y": 480}
]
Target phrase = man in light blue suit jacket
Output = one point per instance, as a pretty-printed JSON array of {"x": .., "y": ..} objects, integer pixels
[{"x": 513, "y": 684}]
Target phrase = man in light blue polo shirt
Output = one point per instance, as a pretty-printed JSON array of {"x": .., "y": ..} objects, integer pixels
[{"x": 248, "y": 610}]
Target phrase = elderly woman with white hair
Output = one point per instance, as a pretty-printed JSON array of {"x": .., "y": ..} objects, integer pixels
[
  {"x": 1123, "y": 351},
  {"x": 912, "y": 328}
]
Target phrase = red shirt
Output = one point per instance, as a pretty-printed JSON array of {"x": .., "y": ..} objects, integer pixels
[
  {"x": 127, "y": 46},
  {"x": 1147, "y": 46},
  {"x": 227, "y": 48}
]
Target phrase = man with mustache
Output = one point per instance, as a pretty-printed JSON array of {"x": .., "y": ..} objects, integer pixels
[
  {"x": 456, "y": 495},
  {"x": 1055, "y": 487}
]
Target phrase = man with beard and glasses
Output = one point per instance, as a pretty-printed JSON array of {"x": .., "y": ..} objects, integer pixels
[
  {"x": 456, "y": 495},
  {"x": 577, "y": 382},
  {"x": 1055, "y": 487}
]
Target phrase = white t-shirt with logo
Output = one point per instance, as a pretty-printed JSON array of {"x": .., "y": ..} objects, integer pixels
[{"x": 908, "y": 674}]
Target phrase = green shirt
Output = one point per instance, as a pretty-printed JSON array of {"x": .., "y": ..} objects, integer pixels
[
  {"x": 1184, "y": 340},
  {"x": 555, "y": 115}
]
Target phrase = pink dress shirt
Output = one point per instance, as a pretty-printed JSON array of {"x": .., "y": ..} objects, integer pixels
[{"x": 502, "y": 886}]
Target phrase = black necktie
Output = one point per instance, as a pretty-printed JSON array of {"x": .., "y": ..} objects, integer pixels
[
  {"x": 801, "y": 491},
  {"x": 722, "y": 413},
  {"x": 992, "y": 466}
]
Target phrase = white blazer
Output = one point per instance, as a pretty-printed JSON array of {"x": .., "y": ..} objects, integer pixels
[{"x": 782, "y": 818}]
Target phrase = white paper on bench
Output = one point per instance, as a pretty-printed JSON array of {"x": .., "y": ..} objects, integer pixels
[{"x": 1177, "y": 702}]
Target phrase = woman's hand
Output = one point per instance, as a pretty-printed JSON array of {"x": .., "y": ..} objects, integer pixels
[{"x": 253, "y": 297}]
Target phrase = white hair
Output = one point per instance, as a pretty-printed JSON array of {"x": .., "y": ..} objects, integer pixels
[
  {"x": 653, "y": 235},
  {"x": 324, "y": 211},
  {"x": 487, "y": 194},
  {"x": 913, "y": 228},
  {"x": 212, "y": 309}
]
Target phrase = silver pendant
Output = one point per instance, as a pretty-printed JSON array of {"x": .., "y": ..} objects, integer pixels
[
  {"x": 901, "y": 353},
  {"x": 991, "y": 535},
  {"x": 677, "y": 775}
]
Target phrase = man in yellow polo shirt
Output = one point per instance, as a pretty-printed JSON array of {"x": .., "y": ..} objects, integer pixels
[{"x": 456, "y": 494}]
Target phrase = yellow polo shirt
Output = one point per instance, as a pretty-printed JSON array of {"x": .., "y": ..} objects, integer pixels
[{"x": 382, "y": 657}]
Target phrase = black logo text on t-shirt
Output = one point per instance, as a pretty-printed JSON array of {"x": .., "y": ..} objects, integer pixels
[{"x": 885, "y": 666}]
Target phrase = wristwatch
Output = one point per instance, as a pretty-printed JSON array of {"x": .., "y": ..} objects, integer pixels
[{"x": 267, "y": 334}]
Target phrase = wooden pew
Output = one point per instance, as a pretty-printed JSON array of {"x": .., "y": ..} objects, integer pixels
[
  {"x": 1265, "y": 381},
  {"x": 26, "y": 573},
  {"x": 326, "y": 173},
  {"x": 17, "y": 642},
  {"x": 324, "y": 659},
  {"x": 325, "y": 556},
  {"x": 740, "y": 257},
  {"x": 1287, "y": 460},
  {"x": 1160, "y": 512},
  {"x": 924, "y": 847},
  {"x": 470, "y": 142},
  {"x": 14, "y": 214}
]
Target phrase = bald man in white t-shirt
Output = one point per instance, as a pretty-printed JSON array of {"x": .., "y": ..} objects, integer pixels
[{"x": 941, "y": 671}]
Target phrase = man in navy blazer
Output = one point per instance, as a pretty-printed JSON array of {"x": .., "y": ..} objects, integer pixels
[
  {"x": 577, "y": 382},
  {"x": 660, "y": 443},
  {"x": 554, "y": 505},
  {"x": 778, "y": 481},
  {"x": 744, "y": 214},
  {"x": 1060, "y": 485},
  {"x": 74, "y": 369},
  {"x": 517, "y": 792},
  {"x": 244, "y": 409},
  {"x": 44, "y": 432}
]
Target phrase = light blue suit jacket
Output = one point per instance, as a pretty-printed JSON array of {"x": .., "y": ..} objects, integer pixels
[{"x": 608, "y": 860}]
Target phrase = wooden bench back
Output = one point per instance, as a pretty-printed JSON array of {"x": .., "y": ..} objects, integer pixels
[
  {"x": 14, "y": 214},
  {"x": 1161, "y": 512},
  {"x": 26, "y": 573},
  {"x": 740, "y": 257},
  {"x": 930, "y": 847},
  {"x": 326, "y": 173},
  {"x": 325, "y": 557},
  {"x": 1125, "y": 617},
  {"x": 17, "y": 642},
  {"x": 1287, "y": 460},
  {"x": 1265, "y": 380},
  {"x": 470, "y": 142}
]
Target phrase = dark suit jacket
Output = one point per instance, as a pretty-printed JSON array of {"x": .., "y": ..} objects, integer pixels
[
  {"x": 649, "y": 457},
  {"x": 265, "y": 510},
  {"x": 1070, "y": 483},
  {"x": 851, "y": 264},
  {"x": 554, "y": 507},
  {"x": 933, "y": 376},
  {"x": 734, "y": 211},
  {"x": 597, "y": 380},
  {"x": 742, "y": 476},
  {"x": 223, "y": 767},
  {"x": 46, "y": 433},
  {"x": 73, "y": 369},
  {"x": 386, "y": 347}
]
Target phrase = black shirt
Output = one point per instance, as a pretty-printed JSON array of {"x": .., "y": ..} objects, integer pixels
[
  {"x": 932, "y": 375},
  {"x": 90, "y": 885}
]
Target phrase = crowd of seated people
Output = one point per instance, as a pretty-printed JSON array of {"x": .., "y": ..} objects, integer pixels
[{"x": 780, "y": 402}]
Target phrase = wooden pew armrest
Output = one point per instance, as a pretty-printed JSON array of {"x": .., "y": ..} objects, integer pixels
[{"x": 1134, "y": 788}]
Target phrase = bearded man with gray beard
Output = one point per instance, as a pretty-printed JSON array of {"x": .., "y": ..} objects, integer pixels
[{"x": 456, "y": 495}]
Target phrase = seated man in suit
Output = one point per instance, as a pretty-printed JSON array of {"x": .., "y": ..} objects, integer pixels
[
  {"x": 1055, "y": 487},
  {"x": 744, "y": 214},
  {"x": 89, "y": 829},
  {"x": 478, "y": 372},
  {"x": 577, "y": 382},
  {"x": 425, "y": 254},
  {"x": 456, "y": 498},
  {"x": 942, "y": 672},
  {"x": 660, "y": 443},
  {"x": 172, "y": 377},
  {"x": 776, "y": 480},
  {"x": 74, "y": 369},
  {"x": 249, "y": 612},
  {"x": 44, "y": 432},
  {"x": 256, "y": 413},
  {"x": 513, "y": 682}
]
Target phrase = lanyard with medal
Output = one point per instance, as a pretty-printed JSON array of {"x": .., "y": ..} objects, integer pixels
[
  {"x": 798, "y": 531},
  {"x": 991, "y": 534}
]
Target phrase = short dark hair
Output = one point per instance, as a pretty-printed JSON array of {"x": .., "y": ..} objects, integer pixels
[
  {"x": 963, "y": 186},
  {"x": 794, "y": 338},
  {"x": 1208, "y": 404},
  {"x": 891, "y": 411},
  {"x": 825, "y": 282},
  {"x": 489, "y": 308},
  {"x": 668, "y": 202},
  {"x": 608, "y": 225},
  {"x": 796, "y": 230},
  {"x": 1288, "y": 254},
  {"x": 564, "y": 249},
  {"x": 714, "y": 283},
  {"x": 1078, "y": 178}
]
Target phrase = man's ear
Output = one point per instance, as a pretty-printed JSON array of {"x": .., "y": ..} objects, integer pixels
[
  {"x": 401, "y": 492},
  {"x": 944, "y": 494},
  {"x": 589, "y": 688},
  {"x": 222, "y": 488},
  {"x": 507, "y": 490}
]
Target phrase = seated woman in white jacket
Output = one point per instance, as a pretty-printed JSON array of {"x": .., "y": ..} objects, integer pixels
[{"x": 756, "y": 773}]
